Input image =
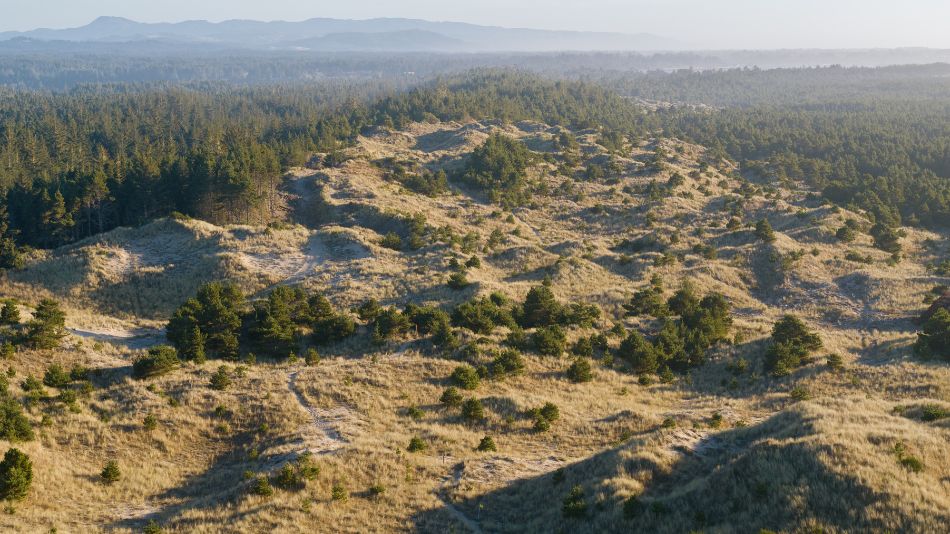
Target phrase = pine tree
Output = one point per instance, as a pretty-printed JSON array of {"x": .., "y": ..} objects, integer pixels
[
  {"x": 48, "y": 327},
  {"x": 16, "y": 475}
]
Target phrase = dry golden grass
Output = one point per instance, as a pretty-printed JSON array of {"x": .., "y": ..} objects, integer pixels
[{"x": 827, "y": 462}]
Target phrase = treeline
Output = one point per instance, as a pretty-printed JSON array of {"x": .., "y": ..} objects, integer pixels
[
  {"x": 75, "y": 164},
  {"x": 72, "y": 165},
  {"x": 876, "y": 139},
  {"x": 78, "y": 163}
]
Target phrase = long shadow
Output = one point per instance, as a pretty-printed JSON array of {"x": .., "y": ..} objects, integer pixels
[{"x": 767, "y": 476}]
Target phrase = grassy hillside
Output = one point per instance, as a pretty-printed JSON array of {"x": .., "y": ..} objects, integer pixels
[{"x": 723, "y": 446}]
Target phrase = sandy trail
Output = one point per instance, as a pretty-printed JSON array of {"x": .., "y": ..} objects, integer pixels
[
  {"x": 321, "y": 435},
  {"x": 132, "y": 338}
]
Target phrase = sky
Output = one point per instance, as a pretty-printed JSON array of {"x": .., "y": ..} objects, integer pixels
[{"x": 696, "y": 23}]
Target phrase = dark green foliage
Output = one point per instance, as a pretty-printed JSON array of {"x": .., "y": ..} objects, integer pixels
[
  {"x": 329, "y": 326},
  {"x": 482, "y": 315},
  {"x": 683, "y": 342},
  {"x": 648, "y": 301},
  {"x": 10, "y": 314},
  {"x": 583, "y": 348},
  {"x": 150, "y": 423},
  {"x": 458, "y": 281},
  {"x": 262, "y": 487},
  {"x": 14, "y": 426},
  {"x": 110, "y": 473},
  {"x": 763, "y": 230},
  {"x": 312, "y": 358},
  {"x": 271, "y": 326},
  {"x": 390, "y": 323},
  {"x": 886, "y": 238},
  {"x": 540, "y": 308},
  {"x": 835, "y": 362},
  {"x": 846, "y": 234},
  {"x": 575, "y": 504},
  {"x": 220, "y": 379},
  {"x": 442, "y": 334},
  {"x": 508, "y": 363},
  {"x": 55, "y": 376},
  {"x": 933, "y": 341},
  {"x": 550, "y": 411},
  {"x": 580, "y": 371},
  {"x": 639, "y": 353},
  {"x": 933, "y": 412},
  {"x": 498, "y": 167},
  {"x": 48, "y": 327},
  {"x": 549, "y": 340},
  {"x": 152, "y": 527},
  {"x": 451, "y": 397},
  {"x": 429, "y": 320},
  {"x": 193, "y": 346},
  {"x": 391, "y": 241},
  {"x": 487, "y": 444},
  {"x": 294, "y": 476},
  {"x": 792, "y": 341},
  {"x": 159, "y": 360},
  {"x": 369, "y": 310},
  {"x": 16, "y": 475},
  {"x": 216, "y": 311},
  {"x": 416, "y": 444},
  {"x": 339, "y": 493},
  {"x": 466, "y": 377},
  {"x": 472, "y": 410}
]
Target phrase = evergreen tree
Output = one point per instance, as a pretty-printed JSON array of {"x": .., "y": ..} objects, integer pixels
[
  {"x": 16, "y": 475},
  {"x": 48, "y": 327}
]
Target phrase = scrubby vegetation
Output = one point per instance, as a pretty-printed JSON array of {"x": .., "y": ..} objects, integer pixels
[{"x": 470, "y": 299}]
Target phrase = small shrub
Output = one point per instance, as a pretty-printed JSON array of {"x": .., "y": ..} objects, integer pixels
[
  {"x": 550, "y": 412},
  {"x": 150, "y": 423},
  {"x": 56, "y": 376},
  {"x": 288, "y": 478},
  {"x": 416, "y": 444},
  {"x": 110, "y": 473},
  {"x": 392, "y": 241},
  {"x": 912, "y": 464},
  {"x": 458, "y": 281},
  {"x": 451, "y": 397},
  {"x": 487, "y": 444},
  {"x": 799, "y": 393},
  {"x": 933, "y": 412},
  {"x": 312, "y": 358},
  {"x": 220, "y": 379},
  {"x": 580, "y": 371},
  {"x": 262, "y": 487},
  {"x": 466, "y": 377},
  {"x": 575, "y": 505},
  {"x": 472, "y": 410},
  {"x": 377, "y": 489},
  {"x": 835, "y": 362},
  {"x": 415, "y": 412},
  {"x": 159, "y": 360},
  {"x": 549, "y": 340},
  {"x": 338, "y": 493},
  {"x": 763, "y": 230}
]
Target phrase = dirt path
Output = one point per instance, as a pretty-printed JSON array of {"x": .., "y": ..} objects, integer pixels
[
  {"x": 452, "y": 482},
  {"x": 139, "y": 338},
  {"x": 321, "y": 435}
]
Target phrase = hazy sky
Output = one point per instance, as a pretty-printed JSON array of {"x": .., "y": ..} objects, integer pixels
[{"x": 711, "y": 23}]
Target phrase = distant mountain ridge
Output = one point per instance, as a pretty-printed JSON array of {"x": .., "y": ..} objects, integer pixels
[{"x": 340, "y": 35}]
